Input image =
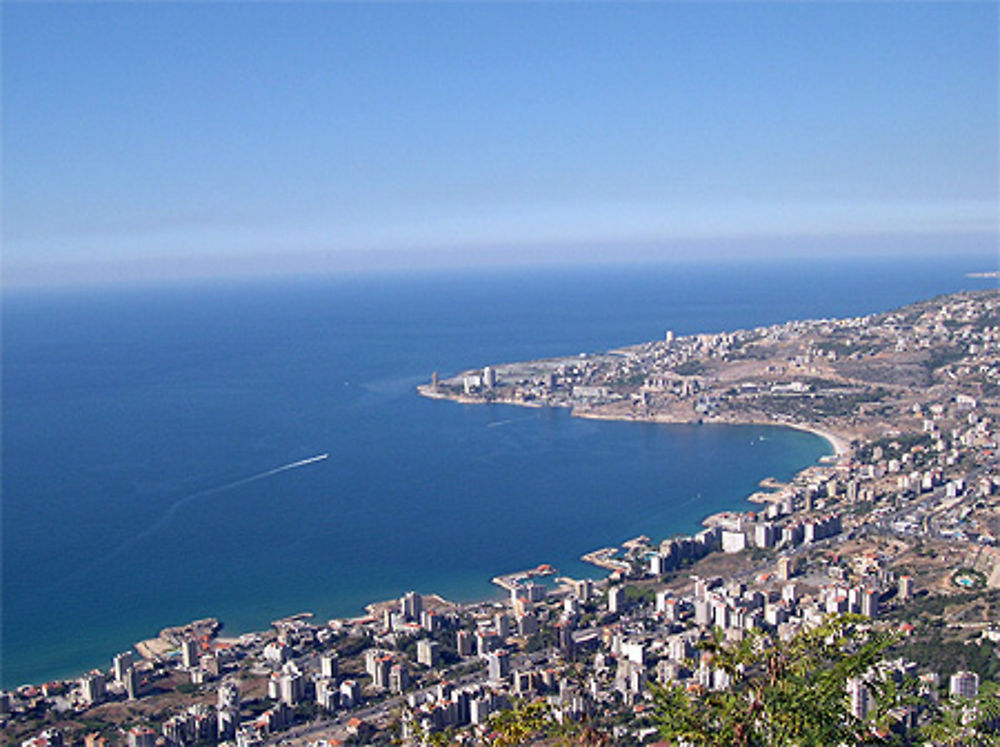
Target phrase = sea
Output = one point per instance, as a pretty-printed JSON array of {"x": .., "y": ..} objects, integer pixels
[{"x": 159, "y": 441}]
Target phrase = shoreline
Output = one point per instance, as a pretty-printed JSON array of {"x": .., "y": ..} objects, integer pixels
[
  {"x": 841, "y": 447},
  {"x": 840, "y": 444},
  {"x": 837, "y": 443},
  {"x": 887, "y": 466}
]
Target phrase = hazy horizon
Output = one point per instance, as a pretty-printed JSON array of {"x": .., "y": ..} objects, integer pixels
[{"x": 161, "y": 141}]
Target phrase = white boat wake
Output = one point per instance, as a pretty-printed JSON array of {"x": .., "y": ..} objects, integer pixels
[
  {"x": 181, "y": 502},
  {"x": 223, "y": 488},
  {"x": 293, "y": 465}
]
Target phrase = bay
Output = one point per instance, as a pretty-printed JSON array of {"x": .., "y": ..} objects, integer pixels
[{"x": 141, "y": 428}]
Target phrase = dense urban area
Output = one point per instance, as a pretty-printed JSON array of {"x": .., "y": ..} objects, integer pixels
[{"x": 898, "y": 531}]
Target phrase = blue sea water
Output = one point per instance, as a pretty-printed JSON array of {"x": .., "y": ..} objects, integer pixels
[{"x": 141, "y": 426}]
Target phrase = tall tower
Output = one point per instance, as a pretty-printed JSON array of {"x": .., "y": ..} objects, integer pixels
[
  {"x": 328, "y": 664},
  {"x": 411, "y": 605},
  {"x": 189, "y": 653}
]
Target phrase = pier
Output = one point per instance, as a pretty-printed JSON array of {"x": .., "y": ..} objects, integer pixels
[{"x": 510, "y": 581}]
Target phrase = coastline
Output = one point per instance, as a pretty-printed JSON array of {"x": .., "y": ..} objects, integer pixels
[
  {"x": 155, "y": 648},
  {"x": 688, "y": 400},
  {"x": 840, "y": 444}
]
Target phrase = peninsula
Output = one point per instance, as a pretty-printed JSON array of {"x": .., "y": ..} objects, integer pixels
[{"x": 849, "y": 380}]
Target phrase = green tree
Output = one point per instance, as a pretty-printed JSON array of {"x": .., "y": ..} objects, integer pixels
[
  {"x": 784, "y": 693},
  {"x": 523, "y": 722},
  {"x": 963, "y": 721},
  {"x": 527, "y": 722}
]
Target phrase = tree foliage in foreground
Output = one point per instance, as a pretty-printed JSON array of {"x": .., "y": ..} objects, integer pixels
[
  {"x": 795, "y": 693},
  {"x": 785, "y": 694},
  {"x": 782, "y": 693},
  {"x": 962, "y": 721},
  {"x": 529, "y": 721}
]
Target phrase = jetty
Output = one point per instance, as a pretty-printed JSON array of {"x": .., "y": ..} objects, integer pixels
[
  {"x": 605, "y": 558},
  {"x": 510, "y": 581}
]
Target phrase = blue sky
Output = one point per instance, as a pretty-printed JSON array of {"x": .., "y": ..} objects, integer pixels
[{"x": 162, "y": 140}]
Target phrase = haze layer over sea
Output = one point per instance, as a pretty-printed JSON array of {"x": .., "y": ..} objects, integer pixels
[{"x": 151, "y": 435}]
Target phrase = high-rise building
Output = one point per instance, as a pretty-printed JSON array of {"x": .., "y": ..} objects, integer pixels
[
  {"x": 634, "y": 651},
  {"x": 428, "y": 652},
  {"x": 399, "y": 678},
  {"x": 905, "y": 588},
  {"x": 720, "y": 614},
  {"x": 459, "y": 706},
  {"x": 189, "y": 653},
  {"x": 498, "y": 665},
  {"x": 860, "y": 697},
  {"x": 810, "y": 501},
  {"x": 326, "y": 693},
  {"x": 93, "y": 687},
  {"x": 465, "y": 641},
  {"x": 381, "y": 667},
  {"x": 679, "y": 649},
  {"x": 565, "y": 640},
  {"x": 786, "y": 568},
  {"x": 328, "y": 665},
  {"x": 703, "y": 613},
  {"x": 524, "y": 683},
  {"x": 122, "y": 662},
  {"x": 430, "y": 621},
  {"x": 528, "y": 591},
  {"x": 411, "y": 605},
  {"x": 616, "y": 599},
  {"x": 869, "y": 603},
  {"x": 502, "y": 624},
  {"x": 276, "y": 652},
  {"x": 964, "y": 685},
  {"x": 350, "y": 693},
  {"x": 764, "y": 535},
  {"x": 130, "y": 679},
  {"x": 657, "y": 564},
  {"x": 292, "y": 686}
]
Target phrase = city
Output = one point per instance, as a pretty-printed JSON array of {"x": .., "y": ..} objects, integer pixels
[{"x": 898, "y": 530}]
